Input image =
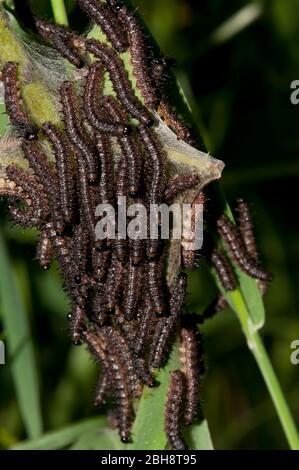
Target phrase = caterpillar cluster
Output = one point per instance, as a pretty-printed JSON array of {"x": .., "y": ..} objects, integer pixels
[
  {"x": 122, "y": 308},
  {"x": 240, "y": 243},
  {"x": 183, "y": 398}
]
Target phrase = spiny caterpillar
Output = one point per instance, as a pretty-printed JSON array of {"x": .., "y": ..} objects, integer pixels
[
  {"x": 139, "y": 57},
  {"x": 63, "y": 168},
  {"x": 238, "y": 251},
  {"x": 44, "y": 251},
  {"x": 119, "y": 78},
  {"x": 107, "y": 21},
  {"x": 245, "y": 226},
  {"x": 128, "y": 145},
  {"x": 121, "y": 305},
  {"x": 62, "y": 39},
  {"x": 14, "y": 106},
  {"x": 191, "y": 366},
  {"x": 166, "y": 327},
  {"x": 73, "y": 127},
  {"x": 224, "y": 270},
  {"x": 179, "y": 184},
  {"x": 174, "y": 410},
  {"x": 92, "y": 93}
]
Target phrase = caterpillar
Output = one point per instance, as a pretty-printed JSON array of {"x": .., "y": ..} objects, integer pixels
[
  {"x": 179, "y": 184},
  {"x": 172, "y": 120},
  {"x": 128, "y": 144},
  {"x": 73, "y": 127},
  {"x": 154, "y": 282},
  {"x": 158, "y": 162},
  {"x": 190, "y": 232},
  {"x": 121, "y": 392},
  {"x": 166, "y": 327},
  {"x": 159, "y": 67},
  {"x": 63, "y": 169},
  {"x": 26, "y": 187},
  {"x": 119, "y": 78},
  {"x": 126, "y": 328},
  {"x": 113, "y": 284},
  {"x": 69, "y": 268},
  {"x": 61, "y": 39},
  {"x": 98, "y": 304},
  {"x": 47, "y": 177},
  {"x": 235, "y": 244},
  {"x": 13, "y": 104},
  {"x": 139, "y": 57},
  {"x": 145, "y": 325},
  {"x": 80, "y": 246},
  {"x": 44, "y": 251},
  {"x": 120, "y": 350},
  {"x": 137, "y": 247},
  {"x": 245, "y": 226},
  {"x": 132, "y": 292},
  {"x": 103, "y": 387},
  {"x": 100, "y": 263},
  {"x": 144, "y": 374},
  {"x": 92, "y": 90},
  {"x": 106, "y": 180},
  {"x": 174, "y": 410},
  {"x": 77, "y": 319},
  {"x": 218, "y": 304},
  {"x": 191, "y": 368},
  {"x": 85, "y": 196},
  {"x": 107, "y": 21},
  {"x": 120, "y": 244},
  {"x": 224, "y": 270}
]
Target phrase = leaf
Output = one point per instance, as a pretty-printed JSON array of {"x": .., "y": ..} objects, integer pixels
[
  {"x": 148, "y": 430},
  {"x": 20, "y": 347},
  {"x": 249, "y": 291},
  {"x": 62, "y": 438},
  {"x": 101, "y": 439},
  {"x": 253, "y": 299},
  {"x": 198, "y": 437}
]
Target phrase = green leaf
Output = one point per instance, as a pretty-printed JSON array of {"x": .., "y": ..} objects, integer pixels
[
  {"x": 21, "y": 358},
  {"x": 198, "y": 437},
  {"x": 148, "y": 430},
  {"x": 64, "y": 437},
  {"x": 101, "y": 439},
  {"x": 253, "y": 299}
]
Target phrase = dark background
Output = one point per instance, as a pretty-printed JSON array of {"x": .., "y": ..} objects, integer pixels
[{"x": 237, "y": 79}]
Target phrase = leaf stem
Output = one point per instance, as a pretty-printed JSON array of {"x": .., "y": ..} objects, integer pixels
[
  {"x": 259, "y": 352},
  {"x": 59, "y": 11},
  {"x": 270, "y": 378}
]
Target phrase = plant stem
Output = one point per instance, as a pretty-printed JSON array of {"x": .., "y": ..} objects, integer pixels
[
  {"x": 282, "y": 408},
  {"x": 259, "y": 352},
  {"x": 59, "y": 11}
]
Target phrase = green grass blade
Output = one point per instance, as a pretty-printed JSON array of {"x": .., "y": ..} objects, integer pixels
[
  {"x": 21, "y": 358},
  {"x": 239, "y": 21},
  {"x": 59, "y": 12},
  {"x": 62, "y": 438},
  {"x": 253, "y": 299},
  {"x": 198, "y": 437},
  {"x": 101, "y": 439}
]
